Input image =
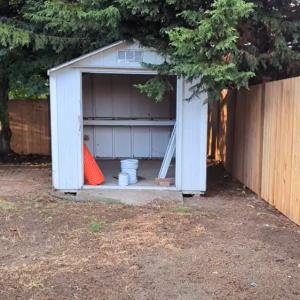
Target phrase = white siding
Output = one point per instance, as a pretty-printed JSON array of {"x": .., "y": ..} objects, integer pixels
[
  {"x": 191, "y": 141},
  {"x": 54, "y": 131},
  {"x": 66, "y": 116}
]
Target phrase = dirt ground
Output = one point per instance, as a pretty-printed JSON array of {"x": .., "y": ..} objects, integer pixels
[{"x": 228, "y": 245}]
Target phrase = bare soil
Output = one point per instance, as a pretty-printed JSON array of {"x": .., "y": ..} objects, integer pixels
[{"x": 228, "y": 245}]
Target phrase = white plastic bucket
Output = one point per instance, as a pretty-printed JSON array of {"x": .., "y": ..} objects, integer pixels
[
  {"x": 132, "y": 176},
  {"x": 130, "y": 167},
  {"x": 129, "y": 164},
  {"x": 123, "y": 179}
]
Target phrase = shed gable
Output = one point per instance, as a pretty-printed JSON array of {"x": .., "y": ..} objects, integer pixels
[{"x": 121, "y": 55}]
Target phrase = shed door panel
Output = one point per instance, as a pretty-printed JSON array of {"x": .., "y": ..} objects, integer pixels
[
  {"x": 66, "y": 126},
  {"x": 191, "y": 146}
]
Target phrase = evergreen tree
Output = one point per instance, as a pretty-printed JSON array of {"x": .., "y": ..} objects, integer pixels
[
  {"x": 35, "y": 35},
  {"x": 227, "y": 42}
]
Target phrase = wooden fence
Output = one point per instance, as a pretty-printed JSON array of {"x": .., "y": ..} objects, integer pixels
[
  {"x": 258, "y": 139},
  {"x": 29, "y": 122}
]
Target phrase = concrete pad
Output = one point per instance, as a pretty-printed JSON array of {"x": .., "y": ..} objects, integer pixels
[{"x": 129, "y": 197}]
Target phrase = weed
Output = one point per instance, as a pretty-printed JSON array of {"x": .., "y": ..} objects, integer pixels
[
  {"x": 96, "y": 226},
  {"x": 6, "y": 206}
]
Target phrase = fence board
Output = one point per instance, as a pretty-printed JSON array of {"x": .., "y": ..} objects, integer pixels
[
  {"x": 265, "y": 143},
  {"x": 247, "y": 137},
  {"x": 29, "y": 122},
  {"x": 294, "y": 205}
]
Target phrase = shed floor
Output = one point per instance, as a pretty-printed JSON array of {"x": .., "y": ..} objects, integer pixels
[{"x": 147, "y": 172}]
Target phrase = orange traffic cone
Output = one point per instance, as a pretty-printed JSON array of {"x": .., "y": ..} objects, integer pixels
[{"x": 92, "y": 172}]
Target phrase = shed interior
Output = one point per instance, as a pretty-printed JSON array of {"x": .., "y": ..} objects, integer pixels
[{"x": 120, "y": 122}]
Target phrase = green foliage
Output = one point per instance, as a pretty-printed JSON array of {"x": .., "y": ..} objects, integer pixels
[
  {"x": 155, "y": 88},
  {"x": 96, "y": 226},
  {"x": 227, "y": 42},
  {"x": 210, "y": 49},
  {"x": 37, "y": 34}
]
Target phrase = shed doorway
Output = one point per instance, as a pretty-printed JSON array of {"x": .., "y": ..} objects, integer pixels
[{"x": 119, "y": 123}]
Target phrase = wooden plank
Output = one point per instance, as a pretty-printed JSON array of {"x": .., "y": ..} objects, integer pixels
[
  {"x": 29, "y": 122},
  {"x": 294, "y": 205},
  {"x": 267, "y": 142}
]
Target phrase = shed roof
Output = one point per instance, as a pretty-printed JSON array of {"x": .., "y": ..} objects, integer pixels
[
  {"x": 91, "y": 58},
  {"x": 80, "y": 58}
]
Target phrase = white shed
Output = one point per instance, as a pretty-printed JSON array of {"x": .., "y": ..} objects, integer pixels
[{"x": 93, "y": 99}]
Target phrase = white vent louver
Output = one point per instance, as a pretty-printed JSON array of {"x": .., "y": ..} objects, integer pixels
[{"x": 129, "y": 56}]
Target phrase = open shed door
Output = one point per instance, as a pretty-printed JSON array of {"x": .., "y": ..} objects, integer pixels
[
  {"x": 66, "y": 129},
  {"x": 191, "y": 140}
]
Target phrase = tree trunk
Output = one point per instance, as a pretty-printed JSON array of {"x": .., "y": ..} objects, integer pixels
[{"x": 5, "y": 132}]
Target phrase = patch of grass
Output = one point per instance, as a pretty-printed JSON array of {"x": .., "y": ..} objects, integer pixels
[
  {"x": 96, "y": 226},
  {"x": 181, "y": 210},
  {"x": 7, "y": 206}
]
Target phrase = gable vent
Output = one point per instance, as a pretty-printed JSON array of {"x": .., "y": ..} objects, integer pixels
[{"x": 129, "y": 56}]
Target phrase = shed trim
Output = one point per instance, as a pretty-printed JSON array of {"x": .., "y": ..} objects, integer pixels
[
  {"x": 80, "y": 58},
  {"x": 102, "y": 70}
]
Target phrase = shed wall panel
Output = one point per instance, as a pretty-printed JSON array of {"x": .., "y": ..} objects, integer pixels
[
  {"x": 88, "y": 134},
  {"x": 67, "y": 129},
  {"x": 87, "y": 87},
  {"x": 141, "y": 142},
  {"x": 193, "y": 141},
  {"x": 122, "y": 142},
  {"x": 103, "y": 141},
  {"x": 101, "y": 97}
]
